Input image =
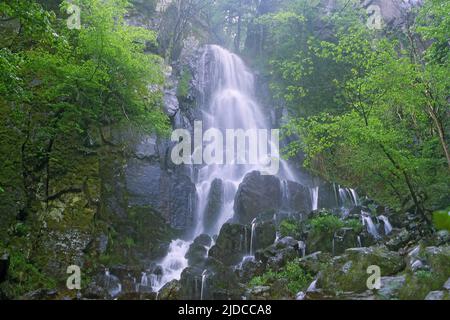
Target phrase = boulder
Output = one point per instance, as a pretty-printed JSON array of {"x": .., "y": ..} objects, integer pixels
[
  {"x": 398, "y": 240},
  {"x": 349, "y": 271},
  {"x": 314, "y": 262},
  {"x": 191, "y": 283},
  {"x": 334, "y": 243},
  {"x": 256, "y": 194},
  {"x": 436, "y": 295},
  {"x": 390, "y": 287},
  {"x": 221, "y": 282},
  {"x": 278, "y": 254},
  {"x": 214, "y": 205},
  {"x": 170, "y": 291},
  {"x": 232, "y": 244},
  {"x": 296, "y": 198},
  {"x": 327, "y": 197},
  {"x": 197, "y": 252},
  {"x": 265, "y": 234}
]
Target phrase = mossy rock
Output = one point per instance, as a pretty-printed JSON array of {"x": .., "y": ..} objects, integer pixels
[{"x": 348, "y": 273}]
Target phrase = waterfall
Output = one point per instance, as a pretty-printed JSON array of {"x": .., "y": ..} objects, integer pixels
[
  {"x": 302, "y": 248},
  {"x": 354, "y": 197},
  {"x": 367, "y": 221},
  {"x": 144, "y": 279},
  {"x": 202, "y": 289},
  {"x": 302, "y": 295},
  {"x": 314, "y": 198},
  {"x": 285, "y": 194},
  {"x": 358, "y": 239},
  {"x": 387, "y": 224},
  {"x": 227, "y": 101},
  {"x": 348, "y": 197},
  {"x": 174, "y": 263},
  {"x": 252, "y": 237}
]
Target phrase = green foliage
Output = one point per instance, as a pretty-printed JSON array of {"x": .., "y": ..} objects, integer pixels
[
  {"x": 183, "y": 84},
  {"x": 296, "y": 278},
  {"x": 24, "y": 277},
  {"x": 329, "y": 223},
  {"x": 290, "y": 228},
  {"x": 383, "y": 126},
  {"x": 441, "y": 219}
]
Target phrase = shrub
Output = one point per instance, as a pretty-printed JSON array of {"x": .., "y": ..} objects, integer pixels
[
  {"x": 330, "y": 223},
  {"x": 297, "y": 278},
  {"x": 290, "y": 228},
  {"x": 326, "y": 223},
  {"x": 441, "y": 219}
]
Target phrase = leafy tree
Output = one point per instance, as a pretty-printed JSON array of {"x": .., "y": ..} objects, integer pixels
[
  {"x": 389, "y": 137},
  {"x": 57, "y": 83}
]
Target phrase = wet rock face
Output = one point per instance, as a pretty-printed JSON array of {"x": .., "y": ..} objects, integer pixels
[
  {"x": 214, "y": 205},
  {"x": 171, "y": 194},
  {"x": 327, "y": 197},
  {"x": 297, "y": 198},
  {"x": 256, "y": 194},
  {"x": 265, "y": 234}
]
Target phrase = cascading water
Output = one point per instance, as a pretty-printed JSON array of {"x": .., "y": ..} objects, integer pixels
[
  {"x": 387, "y": 224},
  {"x": 368, "y": 222},
  {"x": 227, "y": 101},
  {"x": 348, "y": 196},
  {"x": 252, "y": 237},
  {"x": 173, "y": 264},
  {"x": 315, "y": 198},
  {"x": 202, "y": 290}
]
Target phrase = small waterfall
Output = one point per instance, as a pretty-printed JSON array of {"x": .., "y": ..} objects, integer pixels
[
  {"x": 348, "y": 197},
  {"x": 314, "y": 198},
  {"x": 252, "y": 237},
  {"x": 387, "y": 224},
  {"x": 144, "y": 279},
  {"x": 174, "y": 263},
  {"x": 354, "y": 197},
  {"x": 112, "y": 284},
  {"x": 285, "y": 195},
  {"x": 358, "y": 239},
  {"x": 367, "y": 221},
  {"x": 154, "y": 279},
  {"x": 203, "y": 284},
  {"x": 302, "y": 248},
  {"x": 312, "y": 287}
]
